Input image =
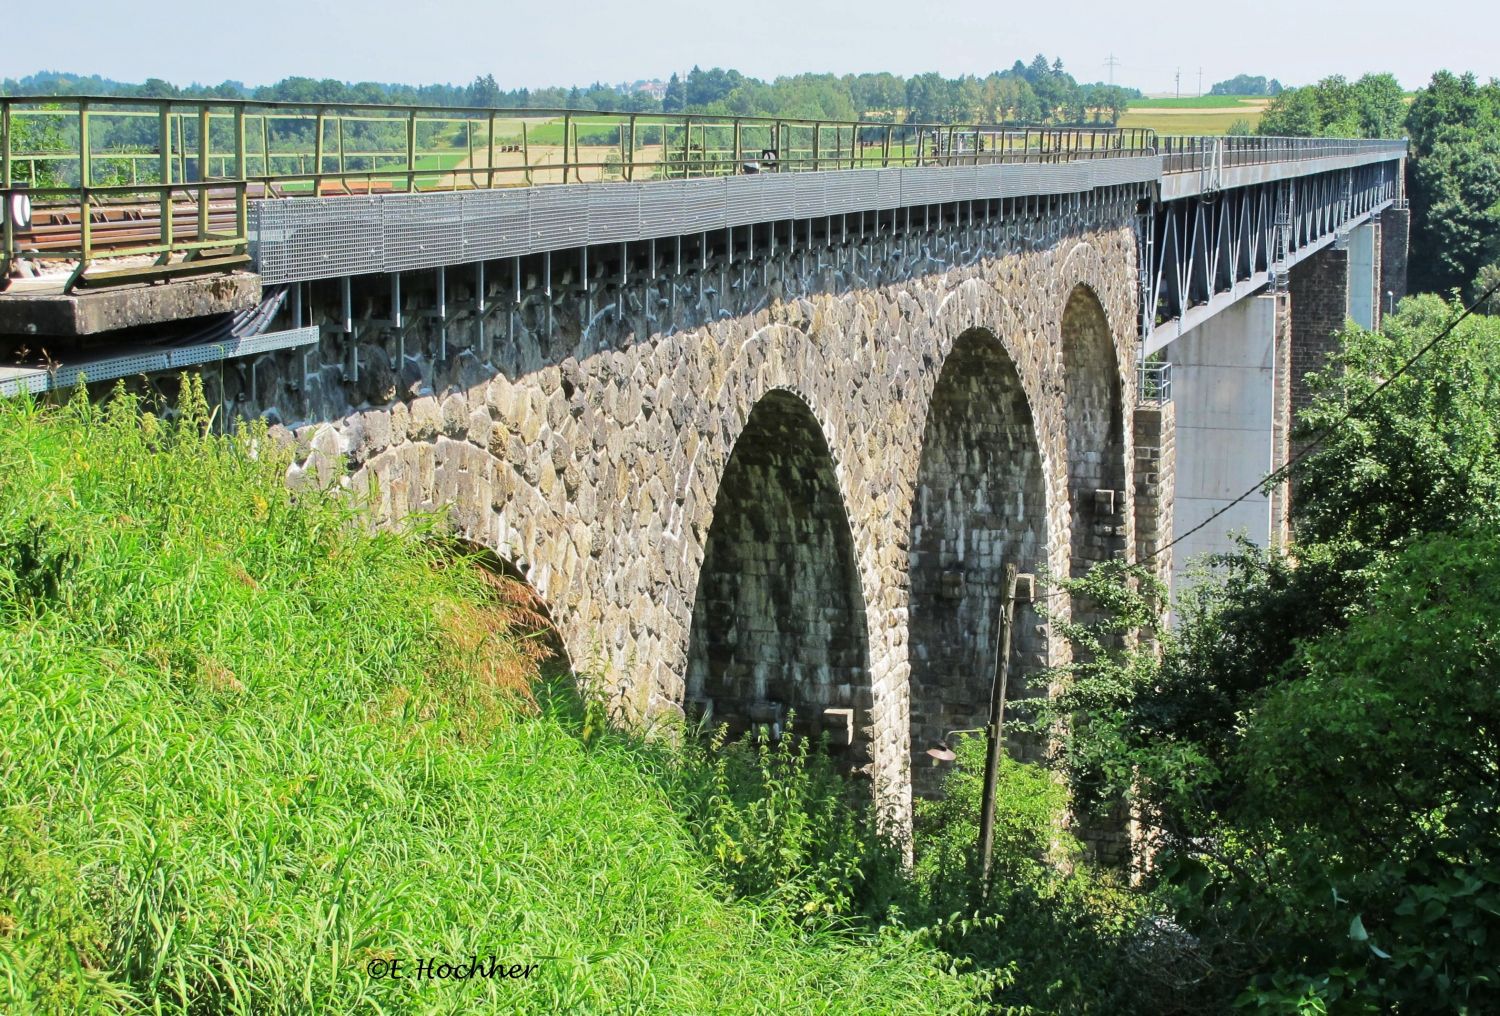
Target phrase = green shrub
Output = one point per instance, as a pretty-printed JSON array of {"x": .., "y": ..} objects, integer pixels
[
  {"x": 786, "y": 827},
  {"x": 1054, "y": 933}
]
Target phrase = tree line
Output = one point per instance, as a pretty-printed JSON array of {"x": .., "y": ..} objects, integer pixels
[
  {"x": 1039, "y": 92},
  {"x": 1453, "y": 177},
  {"x": 1247, "y": 84}
]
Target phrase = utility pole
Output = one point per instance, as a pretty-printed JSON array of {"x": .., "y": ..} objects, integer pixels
[
  {"x": 1179, "y": 82},
  {"x": 996, "y": 729},
  {"x": 1112, "y": 63},
  {"x": 1200, "y": 80}
]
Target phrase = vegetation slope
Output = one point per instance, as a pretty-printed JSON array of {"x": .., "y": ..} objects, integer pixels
[{"x": 246, "y": 748}]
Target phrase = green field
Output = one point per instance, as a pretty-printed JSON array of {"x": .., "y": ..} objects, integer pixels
[
  {"x": 1207, "y": 123},
  {"x": 1201, "y": 102}
]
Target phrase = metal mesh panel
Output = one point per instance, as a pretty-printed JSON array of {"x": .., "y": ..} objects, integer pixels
[
  {"x": 614, "y": 213},
  {"x": 845, "y": 192},
  {"x": 1022, "y": 180},
  {"x": 744, "y": 201},
  {"x": 559, "y": 217},
  {"x": 777, "y": 194},
  {"x": 918, "y": 187},
  {"x": 807, "y": 197},
  {"x": 991, "y": 180},
  {"x": 108, "y": 370},
  {"x": 1114, "y": 172},
  {"x": 267, "y": 341},
  {"x": 190, "y": 355},
  {"x": 658, "y": 207},
  {"x": 316, "y": 238},
  {"x": 312, "y": 238},
  {"x": 701, "y": 207},
  {"x": 886, "y": 189},
  {"x": 423, "y": 231},
  {"x": 497, "y": 223},
  {"x": 14, "y": 381}
]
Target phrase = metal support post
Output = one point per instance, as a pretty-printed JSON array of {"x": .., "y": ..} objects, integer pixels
[
  {"x": 480, "y": 305},
  {"x": 996, "y": 729},
  {"x": 8, "y": 212},
  {"x": 442, "y": 312}
]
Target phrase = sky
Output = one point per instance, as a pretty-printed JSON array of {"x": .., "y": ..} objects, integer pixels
[{"x": 532, "y": 44}]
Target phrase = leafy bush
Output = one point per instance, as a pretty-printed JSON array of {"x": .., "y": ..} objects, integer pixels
[
  {"x": 1373, "y": 792},
  {"x": 785, "y": 827},
  {"x": 1053, "y": 934},
  {"x": 1312, "y": 748}
]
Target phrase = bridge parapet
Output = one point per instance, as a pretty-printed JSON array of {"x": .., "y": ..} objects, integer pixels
[
  {"x": 301, "y": 192},
  {"x": 1195, "y": 153}
]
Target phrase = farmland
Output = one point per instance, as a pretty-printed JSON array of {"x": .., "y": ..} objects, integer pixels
[{"x": 1202, "y": 114}]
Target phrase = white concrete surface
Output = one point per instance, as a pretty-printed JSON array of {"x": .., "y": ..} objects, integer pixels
[
  {"x": 1223, "y": 385},
  {"x": 1362, "y": 295}
]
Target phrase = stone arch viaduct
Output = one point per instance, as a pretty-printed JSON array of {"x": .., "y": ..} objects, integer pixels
[
  {"x": 807, "y": 501},
  {"x": 763, "y": 458}
]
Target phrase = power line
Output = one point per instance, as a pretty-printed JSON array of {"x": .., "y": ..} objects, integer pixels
[{"x": 1349, "y": 414}]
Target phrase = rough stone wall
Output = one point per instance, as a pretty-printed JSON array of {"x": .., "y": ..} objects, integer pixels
[
  {"x": 1155, "y": 477},
  {"x": 1395, "y": 244},
  {"x": 1320, "y": 306},
  {"x": 1101, "y": 526},
  {"x": 1281, "y": 420},
  {"x": 585, "y": 434},
  {"x": 778, "y": 617}
]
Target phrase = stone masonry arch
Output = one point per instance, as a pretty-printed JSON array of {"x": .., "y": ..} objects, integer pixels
[
  {"x": 1095, "y": 420},
  {"x": 778, "y": 628},
  {"x": 980, "y": 503}
]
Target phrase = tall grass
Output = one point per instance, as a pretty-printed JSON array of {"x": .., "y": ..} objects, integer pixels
[{"x": 247, "y": 746}]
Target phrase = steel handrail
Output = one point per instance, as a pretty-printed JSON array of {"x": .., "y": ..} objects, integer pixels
[
  {"x": 98, "y": 152},
  {"x": 170, "y": 157}
]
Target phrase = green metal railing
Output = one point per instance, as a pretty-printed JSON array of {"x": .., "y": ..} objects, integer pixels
[
  {"x": 58, "y": 155},
  {"x": 171, "y": 179}
]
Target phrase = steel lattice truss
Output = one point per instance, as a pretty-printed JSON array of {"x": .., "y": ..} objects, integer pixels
[{"x": 1204, "y": 252}]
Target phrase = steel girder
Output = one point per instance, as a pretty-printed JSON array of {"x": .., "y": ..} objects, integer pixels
[{"x": 1217, "y": 244}]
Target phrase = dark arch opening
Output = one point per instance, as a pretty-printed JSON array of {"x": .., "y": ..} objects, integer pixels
[
  {"x": 1096, "y": 433},
  {"x": 779, "y": 617},
  {"x": 980, "y": 503}
]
